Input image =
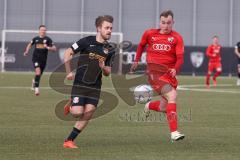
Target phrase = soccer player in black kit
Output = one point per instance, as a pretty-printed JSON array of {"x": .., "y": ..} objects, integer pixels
[
  {"x": 42, "y": 44},
  {"x": 95, "y": 59},
  {"x": 237, "y": 52}
]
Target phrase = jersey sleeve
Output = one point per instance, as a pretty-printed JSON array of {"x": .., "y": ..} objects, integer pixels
[
  {"x": 110, "y": 59},
  {"x": 50, "y": 42},
  {"x": 33, "y": 41},
  {"x": 141, "y": 46},
  {"x": 237, "y": 45},
  {"x": 179, "y": 53},
  {"x": 209, "y": 51},
  {"x": 179, "y": 45},
  {"x": 79, "y": 45}
]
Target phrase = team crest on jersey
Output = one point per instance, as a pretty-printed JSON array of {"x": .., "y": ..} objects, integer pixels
[
  {"x": 75, "y": 99},
  {"x": 105, "y": 50},
  {"x": 170, "y": 39},
  {"x": 44, "y": 41},
  {"x": 197, "y": 59},
  {"x": 153, "y": 39}
]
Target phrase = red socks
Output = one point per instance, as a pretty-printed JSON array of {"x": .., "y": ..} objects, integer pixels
[
  {"x": 216, "y": 75},
  {"x": 171, "y": 113},
  {"x": 172, "y": 116},
  {"x": 207, "y": 79},
  {"x": 154, "y": 105}
]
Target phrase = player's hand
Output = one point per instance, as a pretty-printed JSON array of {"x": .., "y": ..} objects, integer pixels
[
  {"x": 101, "y": 64},
  {"x": 133, "y": 67},
  {"x": 70, "y": 76},
  {"x": 173, "y": 72},
  {"x": 46, "y": 46},
  {"x": 25, "y": 53}
]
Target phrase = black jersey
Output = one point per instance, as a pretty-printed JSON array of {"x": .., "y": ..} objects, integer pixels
[
  {"x": 238, "y": 46},
  {"x": 91, "y": 52},
  {"x": 40, "y": 52}
]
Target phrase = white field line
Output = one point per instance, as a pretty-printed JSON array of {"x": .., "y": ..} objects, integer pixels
[
  {"x": 192, "y": 88},
  {"x": 180, "y": 87},
  {"x": 203, "y": 85}
]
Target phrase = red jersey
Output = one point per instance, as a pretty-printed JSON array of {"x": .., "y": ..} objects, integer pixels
[
  {"x": 163, "y": 49},
  {"x": 213, "y": 52}
]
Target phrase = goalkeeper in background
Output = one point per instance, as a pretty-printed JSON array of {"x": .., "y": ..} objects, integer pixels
[{"x": 42, "y": 44}]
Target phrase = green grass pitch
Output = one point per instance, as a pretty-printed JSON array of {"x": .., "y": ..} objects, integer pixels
[{"x": 30, "y": 130}]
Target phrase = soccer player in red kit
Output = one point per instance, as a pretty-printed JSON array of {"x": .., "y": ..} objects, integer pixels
[
  {"x": 165, "y": 49},
  {"x": 213, "y": 53}
]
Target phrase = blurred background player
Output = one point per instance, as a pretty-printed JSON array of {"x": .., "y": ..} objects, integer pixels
[
  {"x": 42, "y": 44},
  {"x": 237, "y": 52},
  {"x": 213, "y": 53},
  {"x": 94, "y": 60},
  {"x": 164, "y": 58}
]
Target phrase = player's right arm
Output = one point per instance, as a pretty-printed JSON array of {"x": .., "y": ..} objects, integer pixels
[
  {"x": 237, "y": 50},
  {"x": 209, "y": 52},
  {"x": 67, "y": 61},
  {"x": 29, "y": 46},
  {"x": 75, "y": 48},
  {"x": 140, "y": 50}
]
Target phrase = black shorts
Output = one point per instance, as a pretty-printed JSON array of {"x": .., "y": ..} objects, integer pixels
[
  {"x": 82, "y": 101},
  {"x": 82, "y": 95},
  {"x": 40, "y": 64},
  {"x": 238, "y": 61}
]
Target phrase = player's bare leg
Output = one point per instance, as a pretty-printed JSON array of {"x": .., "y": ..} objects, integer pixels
[
  {"x": 208, "y": 79},
  {"x": 84, "y": 114},
  {"x": 171, "y": 113},
  {"x": 238, "y": 80},
  {"x": 37, "y": 78},
  {"x": 218, "y": 72},
  {"x": 87, "y": 115}
]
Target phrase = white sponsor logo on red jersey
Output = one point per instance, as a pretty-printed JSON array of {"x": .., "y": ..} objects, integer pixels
[{"x": 161, "y": 47}]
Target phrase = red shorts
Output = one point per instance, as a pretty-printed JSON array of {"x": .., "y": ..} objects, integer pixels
[
  {"x": 214, "y": 66},
  {"x": 160, "y": 78}
]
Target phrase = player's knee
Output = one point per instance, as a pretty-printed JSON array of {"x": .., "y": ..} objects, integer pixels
[
  {"x": 38, "y": 72},
  {"x": 171, "y": 96},
  {"x": 76, "y": 113},
  {"x": 88, "y": 114},
  {"x": 219, "y": 70}
]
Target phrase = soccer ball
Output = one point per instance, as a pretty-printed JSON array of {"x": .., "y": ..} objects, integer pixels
[{"x": 143, "y": 93}]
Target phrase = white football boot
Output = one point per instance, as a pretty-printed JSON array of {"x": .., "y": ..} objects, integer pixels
[
  {"x": 36, "y": 91},
  {"x": 175, "y": 136},
  {"x": 146, "y": 110},
  {"x": 32, "y": 87},
  {"x": 238, "y": 82}
]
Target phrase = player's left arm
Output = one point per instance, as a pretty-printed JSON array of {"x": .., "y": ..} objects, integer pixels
[
  {"x": 50, "y": 46},
  {"x": 68, "y": 54},
  {"x": 237, "y": 51},
  {"x": 106, "y": 70},
  {"x": 107, "y": 65},
  {"x": 179, "y": 55}
]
